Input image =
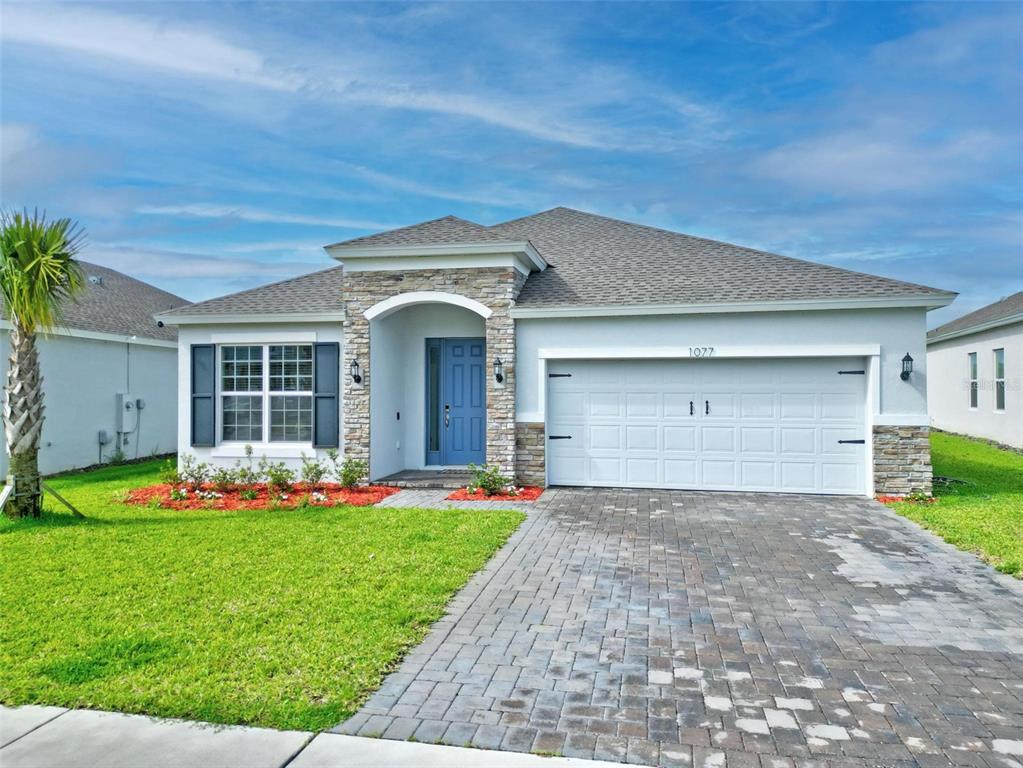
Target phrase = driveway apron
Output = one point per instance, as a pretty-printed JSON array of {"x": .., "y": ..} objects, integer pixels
[{"x": 711, "y": 629}]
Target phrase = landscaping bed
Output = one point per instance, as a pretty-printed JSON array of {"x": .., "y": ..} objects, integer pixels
[
  {"x": 260, "y": 496},
  {"x": 527, "y": 493}
]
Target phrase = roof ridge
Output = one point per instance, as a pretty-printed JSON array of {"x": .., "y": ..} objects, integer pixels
[{"x": 448, "y": 217}]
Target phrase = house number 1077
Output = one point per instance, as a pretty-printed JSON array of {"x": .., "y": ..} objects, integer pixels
[{"x": 701, "y": 351}]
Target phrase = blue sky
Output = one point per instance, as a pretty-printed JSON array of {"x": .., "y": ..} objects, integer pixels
[{"x": 208, "y": 148}]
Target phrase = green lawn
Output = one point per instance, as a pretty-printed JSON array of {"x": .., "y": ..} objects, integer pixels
[
  {"x": 277, "y": 618},
  {"x": 983, "y": 514}
]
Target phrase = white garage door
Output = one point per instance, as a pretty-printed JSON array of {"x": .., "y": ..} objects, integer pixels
[{"x": 792, "y": 425}]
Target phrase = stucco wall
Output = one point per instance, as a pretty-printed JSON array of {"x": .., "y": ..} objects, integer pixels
[
  {"x": 247, "y": 333},
  {"x": 81, "y": 378},
  {"x": 897, "y": 331},
  {"x": 948, "y": 395}
]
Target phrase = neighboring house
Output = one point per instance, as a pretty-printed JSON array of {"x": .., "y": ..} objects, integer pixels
[
  {"x": 569, "y": 349},
  {"x": 976, "y": 370},
  {"x": 108, "y": 356}
]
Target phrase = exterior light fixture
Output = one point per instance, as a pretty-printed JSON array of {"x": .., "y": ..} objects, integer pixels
[
  {"x": 498, "y": 370},
  {"x": 356, "y": 372},
  {"x": 907, "y": 367}
]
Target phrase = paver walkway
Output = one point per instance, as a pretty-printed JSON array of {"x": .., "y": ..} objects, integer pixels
[{"x": 678, "y": 628}]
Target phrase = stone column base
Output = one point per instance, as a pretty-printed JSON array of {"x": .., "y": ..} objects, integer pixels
[
  {"x": 902, "y": 460},
  {"x": 530, "y": 453}
]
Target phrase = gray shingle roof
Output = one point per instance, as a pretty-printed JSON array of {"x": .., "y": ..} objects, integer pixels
[
  {"x": 1007, "y": 307},
  {"x": 448, "y": 230},
  {"x": 315, "y": 293},
  {"x": 594, "y": 260},
  {"x": 120, "y": 305},
  {"x": 597, "y": 260}
]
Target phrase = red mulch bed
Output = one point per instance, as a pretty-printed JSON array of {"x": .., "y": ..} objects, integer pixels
[
  {"x": 362, "y": 496},
  {"x": 894, "y": 499},
  {"x": 528, "y": 493}
]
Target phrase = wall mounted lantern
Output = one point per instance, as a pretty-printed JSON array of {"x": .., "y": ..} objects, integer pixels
[
  {"x": 356, "y": 372},
  {"x": 907, "y": 367},
  {"x": 498, "y": 370}
]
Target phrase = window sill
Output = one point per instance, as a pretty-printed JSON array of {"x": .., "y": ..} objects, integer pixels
[{"x": 270, "y": 450}]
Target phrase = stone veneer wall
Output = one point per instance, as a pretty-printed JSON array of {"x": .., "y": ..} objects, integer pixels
[
  {"x": 902, "y": 460},
  {"x": 495, "y": 287},
  {"x": 530, "y": 453}
]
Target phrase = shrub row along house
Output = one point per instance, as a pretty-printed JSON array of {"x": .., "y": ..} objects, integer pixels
[
  {"x": 976, "y": 365},
  {"x": 570, "y": 349}
]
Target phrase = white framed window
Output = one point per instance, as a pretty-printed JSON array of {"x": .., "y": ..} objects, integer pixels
[
  {"x": 972, "y": 358},
  {"x": 266, "y": 393},
  {"x": 999, "y": 355}
]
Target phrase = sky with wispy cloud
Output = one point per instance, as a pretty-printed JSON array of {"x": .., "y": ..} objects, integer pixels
[{"x": 211, "y": 147}]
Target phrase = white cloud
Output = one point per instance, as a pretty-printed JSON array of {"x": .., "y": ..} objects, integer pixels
[
  {"x": 139, "y": 42},
  {"x": 159, "y": 263},
  {"x": 246, "y": 213},
  {"x": 876, "y": 160}
]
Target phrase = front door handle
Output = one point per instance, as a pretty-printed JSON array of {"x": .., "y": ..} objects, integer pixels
[{"x": 447, "y": 415}]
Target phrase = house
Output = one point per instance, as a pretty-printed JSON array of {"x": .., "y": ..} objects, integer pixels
[
  {"x": 976, "y": 365},
  {"x": 570, "y": 349},
  {"x": 109, "y": 375}
]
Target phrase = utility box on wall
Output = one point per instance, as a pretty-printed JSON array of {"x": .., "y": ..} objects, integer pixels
[{"x": 127, "y": 413}]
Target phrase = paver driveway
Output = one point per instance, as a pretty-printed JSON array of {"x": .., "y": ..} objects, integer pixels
[{"x": 674, "y": 628}]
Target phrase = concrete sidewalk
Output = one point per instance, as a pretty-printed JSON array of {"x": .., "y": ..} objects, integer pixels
[{"x": 54, "y": 737}]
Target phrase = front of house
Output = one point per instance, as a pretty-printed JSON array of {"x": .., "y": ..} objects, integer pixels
[{"x": 569, "y": 349}]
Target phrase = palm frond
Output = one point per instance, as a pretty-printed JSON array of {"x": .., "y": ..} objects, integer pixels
[{"x": 38, "y": 270}]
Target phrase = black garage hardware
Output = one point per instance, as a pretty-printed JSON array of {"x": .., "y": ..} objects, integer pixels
[
  {"x": 691, "y": 411},
  {"x": 559, "y": 437},
  {"x": 559, "y": 375},
  {"x": 858, "y": 442},
  {"x": 857, "y": 373},
  {"x": 706, "y": 406}
]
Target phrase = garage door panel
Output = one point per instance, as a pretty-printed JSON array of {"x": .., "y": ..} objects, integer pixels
[
  {"x": 758, "y": 474},
  {"x": 679, "y": 439},
  {"x": 798, "y": 405},
  {"x": 774, "y": 425},
  {"x": 795, "y": 440},
  {"x": 604, "y": 437},
  {"x": 641, "y": 404},
  {"x": 718, "y": 439},
  {"x": 641, "y": 437}
]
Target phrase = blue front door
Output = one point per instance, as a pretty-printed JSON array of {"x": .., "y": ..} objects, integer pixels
[{"x": 456, "y": 399}]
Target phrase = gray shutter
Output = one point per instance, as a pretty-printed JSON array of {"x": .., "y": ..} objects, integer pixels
[
  {"x": 204, "y": 387},
  {"x": 326, "y": 415}
]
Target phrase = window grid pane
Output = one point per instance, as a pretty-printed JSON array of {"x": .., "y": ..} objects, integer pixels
[
  {"x": 1000, "y": 395},
  {"x": 243, "y": 417},
  {"x": 291, "y": 418},
  {"x": 999, "y": 363},
  {"x": 241, "y": 369},
  {"x": 291, "y": 368}
]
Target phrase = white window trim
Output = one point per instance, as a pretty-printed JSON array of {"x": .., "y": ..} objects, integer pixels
[
  {"x": 995, "y": 379},
  {"x": 274, "y": 448},
  {"x": 973, "y": 377}
]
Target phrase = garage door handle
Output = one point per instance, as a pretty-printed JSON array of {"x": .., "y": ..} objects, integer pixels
[
  {"x": 857, "y": 442},
  {"x": 559, "y": 437},
  {"x": 706, "y": 406},
  {"x": 691, "y": 410}
]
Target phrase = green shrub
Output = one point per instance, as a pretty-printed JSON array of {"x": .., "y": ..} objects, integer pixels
[
  {"x": 249, "y": 494},
  {"x": 116, "y": 457},
  {"x": 348, "y": 472},
  {"x": 224, "y": 479},
  {"x": 194, "y": 473},
  {"x": 245, "y": 474},
  {"x": 169, "y": 473},
  {"x": 278, "y": 476},
  {"x": 313, "y": 471},
  {"x": 488, "y": 478}
]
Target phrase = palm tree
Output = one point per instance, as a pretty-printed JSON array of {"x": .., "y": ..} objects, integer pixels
[{"x": 38, "y": 273}]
